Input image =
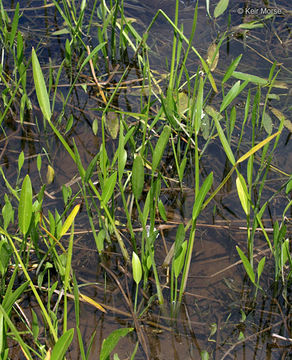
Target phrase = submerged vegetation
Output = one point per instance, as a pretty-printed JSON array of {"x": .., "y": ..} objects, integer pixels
[{"x": 182, "y": 120}]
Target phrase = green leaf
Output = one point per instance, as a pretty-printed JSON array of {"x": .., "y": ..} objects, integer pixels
[
  {"x": 68, "y": 222},
  {"x": 179, "y": 238},
  {"x": 251, "y": 78},
  {"x": 182, "y": 168},
  {"x": 250, "y": 25},
  {"x": 40, "y": 87},
  {"x": 267, "y": 123},
  {"x": 246, "y": 264},
  {"x": 179, "y": 259},
  {"x": 122, "y": 153},
  {"x": 109, "y": 187},
  {"x": 220, "y": 8},
  {"x": 62, "y": 345},
  {"x": 138, "y": 176},
  {"x": 5, "y": 254},
  {"x": 95, "y": 126},
  {"x": 20, "y": 161},
  {"x": 230, "y": 96},
  {"x": 111, "y": 341},
  {"x": 100, "y": 240},
  {"x": 25, "y": 206},
  {"x": 160, "y": 146},
  {"x": 90, "y": 169},
  {"x": 289, "y": 187},
  {"x": 285, "y": 251},
  {"x": 162, "y": 211},
  {"x": 137, "y": 268},
  {"x": 204, "y": 355},
  {"x": 7, "y": 212},
  {"x": 69, "y": 124},
  {"x": 243, "y": 193},
  {"x": 39, "y": 162},
  {"x": 64, "y": 31},
  {"x": 11, "y": 297},
  {"x": 201, "y": 196},
  {"x": 14, "y": 25},
  {"x": 231, "y": 69},
  {"x": 261, "y": 266},
  {"x": 224, "y": 142},
  {"x": 35, "y": 325}
]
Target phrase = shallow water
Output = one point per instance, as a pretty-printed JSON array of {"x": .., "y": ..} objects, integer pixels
[{"x": 217, "y": 291}]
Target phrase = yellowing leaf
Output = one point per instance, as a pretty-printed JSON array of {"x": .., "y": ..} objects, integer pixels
[
  {"x": 257, "y": 147},
  {"x": 68, "y": 222},
  {"x": 112, "y": 123},
  {"x": 210, "y": 55},
  {"x": 92, "y": 302},
  {"x": 50, "y": 174},
  {"x": 48, "y": 356},
  {"x": 243, "y": 193},
  {"x": 281, "y": 116},
  {"x": 183, "y": 101}
]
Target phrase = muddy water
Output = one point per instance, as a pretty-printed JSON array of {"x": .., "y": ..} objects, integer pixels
[{"x": 218, "y": 291}]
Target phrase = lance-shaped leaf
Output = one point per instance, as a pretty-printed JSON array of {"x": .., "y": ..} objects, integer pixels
[
  {"x": 138, "y": 176},
  {"x": 220, "y": 8},
  {"x": 40, "y": 87},
  {"x": 62, "y": 345},
  {"x": 109, "y": 187},
  {"x": 68, "y": 222},
  {"x": 111, "y": 341},
  {"x": 201, "y": 196},
  {"x": 25, "y": 206},
  {"x": 246, "y": 264},
  {"x": 243, "y": 193},
  {"x": 137, "y": 268},
  {"x": 160, "y": 146}
]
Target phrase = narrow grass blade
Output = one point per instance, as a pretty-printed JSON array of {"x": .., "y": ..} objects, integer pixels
[
  {"x": 40, "y": 87},
  {"x": 25, "y": 206},
  {"x": 16, "y": 334}
]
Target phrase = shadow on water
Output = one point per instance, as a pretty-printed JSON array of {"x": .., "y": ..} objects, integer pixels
[{"x": 219, "y": 313}]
